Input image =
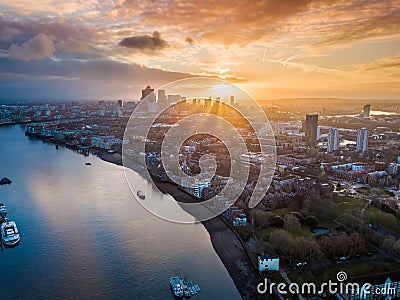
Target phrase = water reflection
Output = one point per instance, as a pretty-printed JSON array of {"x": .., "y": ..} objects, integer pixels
[{"x": 83, "y": 235}]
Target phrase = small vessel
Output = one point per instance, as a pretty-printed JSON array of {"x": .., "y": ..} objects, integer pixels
[
  {"x": 186, "y": 289},
  {"x": 5, "y": 180},
  {"x": 186, "y": 292},
  {"x": 182, "y": 288},
  {"x": 88, "y": 164},
  {"x": 3, "y": 210},
  {"x": 140, "y": 194},
  {"x": 176, "y": 286},
  {"x": 191, "y": 288},
  {"x": 9, "y": 233}
]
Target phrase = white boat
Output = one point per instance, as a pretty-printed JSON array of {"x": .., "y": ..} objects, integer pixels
[
  {"x": 3, "y": 210},
  {"x": 9, "y": 233},
  {"x": 140, "y": 194}
]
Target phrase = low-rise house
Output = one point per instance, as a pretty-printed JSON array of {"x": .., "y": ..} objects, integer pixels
[
  {"x": 103, "y": 142},
  {"x": 268, "y": 263},
  {"x": 236, "y": 216}
]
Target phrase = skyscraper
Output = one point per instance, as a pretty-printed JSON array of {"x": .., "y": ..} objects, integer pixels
[
  {"x": 362, "y": 140},
  {"x": 162, "y": 100},
  {"x": 215, "y": 105},
  {"x": 148, "y": 91},
  {"x": 333, "y": 139},
  {"x": 232, "y": 100},
  {"x": 311, "y": 125},
  {"x": 174, "y": 98},
  {"x": 207, "y": 105},
  {"x": 161, "y": 97},
  {"x": 367, "y": 110}
]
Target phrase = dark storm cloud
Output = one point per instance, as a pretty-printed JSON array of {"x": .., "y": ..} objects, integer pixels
[
  {"x": 70, "y": 78},
  {"x": 23, "y": 29},
  {"x": 35, "y": 40},
  {"x": 145, "y": 42}
]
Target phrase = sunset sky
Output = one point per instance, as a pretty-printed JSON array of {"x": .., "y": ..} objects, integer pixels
[{"x": 273, "y": 49}]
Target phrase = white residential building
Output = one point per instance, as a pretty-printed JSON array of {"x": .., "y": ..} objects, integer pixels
[
  {"x": 362, "y": 140},
  {"x": 333, "y": 139},
  {"x": 268, "y": 263}
]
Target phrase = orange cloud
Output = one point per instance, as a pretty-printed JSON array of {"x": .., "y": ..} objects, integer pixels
[
  {"x": 385, "y": 63},
  {"x": 246, "y": 21}
]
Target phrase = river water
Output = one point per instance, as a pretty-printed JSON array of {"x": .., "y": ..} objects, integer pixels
[{"x": 83, "y": 234}]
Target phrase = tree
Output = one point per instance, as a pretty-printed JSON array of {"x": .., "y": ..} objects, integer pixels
[
  {"x": 308, "y": 249},
  {"x": 388, "y": 244},
  {"x": 261, "y": 218},
  {"x": 315, "y": 205},
  {"x": 298, "y": 215},
  {"x": 282, "y": 242},
  {"x": 359, "y": 244},
  {"x": 396, "y": 247},
  {"x": 311, "y": 221},
  {"x": 342, "y": 245},
  {"x": 291, "y": 223},
  {"x": 276, "y": 221},
  {"x": 353, "y": 220}
]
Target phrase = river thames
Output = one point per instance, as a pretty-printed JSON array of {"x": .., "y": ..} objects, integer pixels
[{"x": 83, "y": 234}]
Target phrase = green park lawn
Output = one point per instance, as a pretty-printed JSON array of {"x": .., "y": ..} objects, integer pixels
[
  {"x": 377, "y": 216},
  {"x": 281, "y": 211},
  {"x": 342, "y": 204},
  {"x": 304, "y": 231}
]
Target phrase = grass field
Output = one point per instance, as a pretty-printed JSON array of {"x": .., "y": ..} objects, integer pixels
[
  {"x": 281, "y": 211},
  {"x": 304, "y": 231},
  {"x": 367, "y": 191},
  {"x": 377, "y": 216},
  {"x": 342, "y": 204}
]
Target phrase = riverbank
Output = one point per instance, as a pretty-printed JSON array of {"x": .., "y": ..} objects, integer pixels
[{"x": 225, "y": 243}]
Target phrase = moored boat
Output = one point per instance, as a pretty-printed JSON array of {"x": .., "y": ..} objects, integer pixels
[
  {"x": 5, "y": 180},
  {"x": 191, "y": 288},
  {"x": 186, "y": 292},
  {"x": 186, "y": 289},
  {"x": 176, "y": 286},
  {"x": 9, "y": 233},
  {"x": 3, "y": 210},
  {"x": 140, "y": 194}
]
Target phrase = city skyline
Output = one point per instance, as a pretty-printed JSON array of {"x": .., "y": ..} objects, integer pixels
[{"x": 271, "y": 49}]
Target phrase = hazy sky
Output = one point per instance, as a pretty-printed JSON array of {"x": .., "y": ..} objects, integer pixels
[{"x": 53, "y": 49}]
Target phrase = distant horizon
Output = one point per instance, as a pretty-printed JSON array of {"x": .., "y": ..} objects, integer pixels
[{"x": 10, "y": 101}]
